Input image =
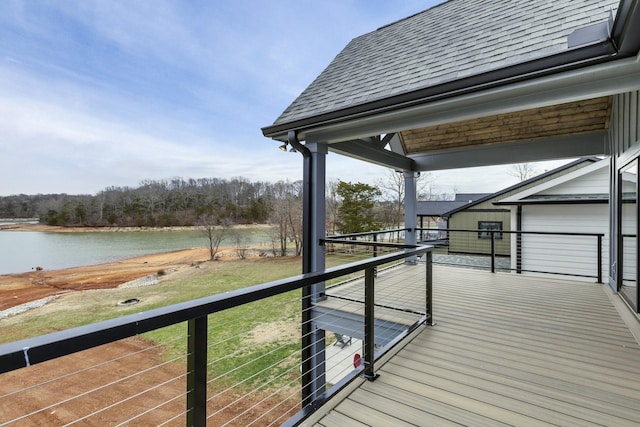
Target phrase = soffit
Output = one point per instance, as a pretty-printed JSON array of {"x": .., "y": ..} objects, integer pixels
[{"x": 573, "y": 118}]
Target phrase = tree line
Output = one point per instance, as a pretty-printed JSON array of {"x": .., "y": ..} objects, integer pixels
[
  {"x": 216, "y": 202},
  {"x": 154, "y": 203}
]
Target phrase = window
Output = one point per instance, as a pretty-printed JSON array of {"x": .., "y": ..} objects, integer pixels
[{"x": 489, "y": 226}]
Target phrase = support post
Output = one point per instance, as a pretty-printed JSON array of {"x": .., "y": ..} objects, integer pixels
[
  {"x": 410, "y": 211},
  {"x": 369, "y": 325},
  {"x": 197, "y": 372},
  {"x": 313, "y": 339}
]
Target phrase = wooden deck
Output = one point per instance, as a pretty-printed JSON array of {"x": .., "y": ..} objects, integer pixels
[{"x": 506, "y": 350}]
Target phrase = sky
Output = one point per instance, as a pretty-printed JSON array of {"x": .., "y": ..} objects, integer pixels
[{"x": 97, "y": 93}]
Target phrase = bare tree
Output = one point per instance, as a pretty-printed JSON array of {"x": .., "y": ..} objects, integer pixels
[
  {"x": 273, "y": 234},
  {"x": 214, "y": 233},
  {"x": 242, "y": 246},
  {"x": 295, "y": 216},
  {"x": 286, "y": 215},
  {"x": 392, "y": 200},
  {"x": 522, "y": 171},
  {"x": 332, "y": 206}
]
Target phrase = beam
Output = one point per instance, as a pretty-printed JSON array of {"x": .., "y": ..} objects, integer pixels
[
  {"x": 571, "y": 146},
  {"x": 373, "y": 153}
]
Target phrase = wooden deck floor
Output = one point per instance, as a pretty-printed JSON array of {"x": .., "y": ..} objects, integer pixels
[{"x": 506, "y": 350}]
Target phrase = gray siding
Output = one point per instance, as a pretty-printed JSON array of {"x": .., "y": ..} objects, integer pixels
[
  {"x": 625, "y": 126},
  {"x": 624, "y": 134}
]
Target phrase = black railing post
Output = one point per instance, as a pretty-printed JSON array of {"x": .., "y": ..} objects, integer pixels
[
  {"x": 519, "y": 240},
  {"x": 375, "y": 247},
  {"x": 429, "y": 286},
  {"x": 375, "y": 252},
  {"x": 197, "y": 372},
  {"x": 493, "y": 252},
  {"x": 369, "y": 325},
  {"x": 599, "y": 258}
]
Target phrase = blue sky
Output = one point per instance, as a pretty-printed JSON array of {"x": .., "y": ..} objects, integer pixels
[{"x": 100, "y": 93}]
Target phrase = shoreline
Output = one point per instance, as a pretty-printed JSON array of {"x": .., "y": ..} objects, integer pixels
[
  {"x": 21, "y": 288},
  {"x": 108, "y": 229}
]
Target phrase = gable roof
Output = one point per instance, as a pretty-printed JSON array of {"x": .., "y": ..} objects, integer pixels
[
  {"x": 441, "y": 207},
  {"x": 437, "y": 207},
  {"x": 463, "y": 41},
  {"x": 527, "y": 183},
  {"x": 547, "y": 192}
]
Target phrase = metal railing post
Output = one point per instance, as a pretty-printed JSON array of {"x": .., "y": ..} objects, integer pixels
[
  {"x": 197, "y": 372},
  {"x": 429, "y": 289},
  {"x": 369, "y": 325},
  {"x": 599, "y": 258},
  {"x": 518, "y": 252},
  {"x": 493, "y": 252},
  {"x": 375, "y": 247}
]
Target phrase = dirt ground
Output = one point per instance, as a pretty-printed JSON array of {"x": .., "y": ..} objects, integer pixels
[
  {"x": 118, "y": 382},
  {"x": 16, "y": 289},
  {"x": 126, "y": 382}
]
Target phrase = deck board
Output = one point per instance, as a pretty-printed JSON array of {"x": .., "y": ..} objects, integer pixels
[{"x": 506, "y": 350}]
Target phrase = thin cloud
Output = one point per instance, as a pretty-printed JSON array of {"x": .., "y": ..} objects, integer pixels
[{"x": 100, "y": 93}]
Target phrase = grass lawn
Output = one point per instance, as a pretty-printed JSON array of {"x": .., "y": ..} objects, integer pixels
[{"x": 252, "y": 347}]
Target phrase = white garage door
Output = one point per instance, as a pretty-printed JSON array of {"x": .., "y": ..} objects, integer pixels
[{"x": 571, "y": 255}]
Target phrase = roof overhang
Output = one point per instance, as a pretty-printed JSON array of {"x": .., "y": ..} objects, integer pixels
[
  {"x": 603, "y": 79},
  {"x": 599, "y": 70}
]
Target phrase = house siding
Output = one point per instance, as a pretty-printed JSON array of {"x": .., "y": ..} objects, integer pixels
[
  {"x": 593, "y": 183},
  {"x": 468, "y": 242},
  {"x": 624, "y": 144},
  {"x": 565, "y": 254}
]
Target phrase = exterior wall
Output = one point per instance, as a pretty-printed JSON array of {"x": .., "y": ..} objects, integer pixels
[
  {"x": 624, "y": 144},
  {"x": 596, "y": 182},
  {"x": 486, "y": 211},
  {"x": 469, "y": 242},
  {"x": 565, "y": 254}
]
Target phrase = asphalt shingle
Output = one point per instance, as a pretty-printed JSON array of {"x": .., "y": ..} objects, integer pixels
[{"x": 456, "y": 39}]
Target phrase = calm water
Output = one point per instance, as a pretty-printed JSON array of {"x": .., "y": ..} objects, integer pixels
[{"x": 22, "y": 251}]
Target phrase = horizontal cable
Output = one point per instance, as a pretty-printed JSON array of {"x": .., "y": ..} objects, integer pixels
[
  {"x": 71, "y": 374},
  {"x": 85, "y": 393},
  {"x": 113, "y": 405}
]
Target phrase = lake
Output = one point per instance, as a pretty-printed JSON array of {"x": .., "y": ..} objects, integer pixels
[{"x": 22, "y": 251}]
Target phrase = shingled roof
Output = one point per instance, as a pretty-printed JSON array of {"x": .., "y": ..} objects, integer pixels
[{"x": 448, "y": 42}]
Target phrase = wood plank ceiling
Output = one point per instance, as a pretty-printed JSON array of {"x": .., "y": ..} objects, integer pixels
[{"x": 538, "y": 123}]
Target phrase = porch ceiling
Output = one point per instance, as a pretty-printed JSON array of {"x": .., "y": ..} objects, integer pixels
[{"x": 572, "y": 118}]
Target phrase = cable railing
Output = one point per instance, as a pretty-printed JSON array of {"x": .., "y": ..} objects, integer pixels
[
  {"x": 228, "y": 359},
  {"x": 579, "y": 255}
]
